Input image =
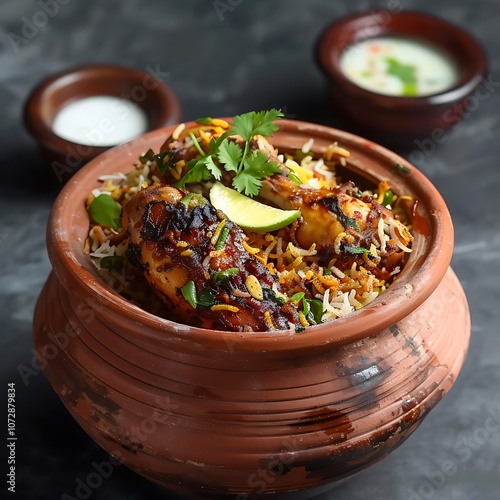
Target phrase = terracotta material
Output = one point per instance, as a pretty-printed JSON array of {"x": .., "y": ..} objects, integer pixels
[
  {"x": 394, "y": 120},
  {"x": 141, "y": 87},
  {"x": 217, "y": 414}
]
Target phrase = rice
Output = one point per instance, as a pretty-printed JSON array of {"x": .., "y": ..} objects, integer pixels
[{"x": 341, "y": 286}]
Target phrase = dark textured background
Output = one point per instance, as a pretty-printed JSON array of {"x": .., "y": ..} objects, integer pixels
[{"x": 258, "y": 56}]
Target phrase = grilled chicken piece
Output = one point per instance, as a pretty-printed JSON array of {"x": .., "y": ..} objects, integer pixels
[
  {"x": 196, "y": 262},
  {"x": 336, "y": 221}
]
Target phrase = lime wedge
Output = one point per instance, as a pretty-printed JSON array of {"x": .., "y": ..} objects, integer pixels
[{"x": 248, "y": 213}]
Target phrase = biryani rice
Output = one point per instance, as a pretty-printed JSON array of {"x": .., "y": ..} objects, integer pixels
[{"x": 340, "y": 289}]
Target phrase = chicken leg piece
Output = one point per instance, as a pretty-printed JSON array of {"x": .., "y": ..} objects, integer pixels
[{"x": 196, "y": 262}]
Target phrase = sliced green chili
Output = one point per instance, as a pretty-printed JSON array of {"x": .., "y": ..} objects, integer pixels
[{"x": 189, "y": 293}]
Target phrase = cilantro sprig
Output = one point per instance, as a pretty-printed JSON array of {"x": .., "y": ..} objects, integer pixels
[{"x": 249, "y": 166}]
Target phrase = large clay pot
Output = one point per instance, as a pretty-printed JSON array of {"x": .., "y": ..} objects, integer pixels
[{"x": 211, "y": 413}]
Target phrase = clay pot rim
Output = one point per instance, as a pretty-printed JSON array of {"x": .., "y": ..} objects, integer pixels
[
  {"x": 405, "y": 295},
  {"x": 460, "y": 45},
  {"x": 67, "y": 85}
]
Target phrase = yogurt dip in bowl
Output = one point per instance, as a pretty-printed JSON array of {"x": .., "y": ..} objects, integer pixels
[
  {"x": 399, "y": 66},
  {"x": 400, "y": 77}
]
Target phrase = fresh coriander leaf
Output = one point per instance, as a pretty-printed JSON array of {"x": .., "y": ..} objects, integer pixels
[
  {"x": 212, "y": 167},
  {"x": 259, "y": 165},
  {"x": 215, "y": 144},
  {"x": 406, "y": 73},
  {"x": 201, "y": 169},
  {"x": 230, "y": 155},
  {"x": 263, "y": 122},
  {"x": 164, "y": 160},
  {"x": 196, "y": 172},
  {"x": 243, "y": 125},
  {"x": 247, "y": 184},
  {"x": 106, "y": 211},
  {"x": 247, "y": 125}
]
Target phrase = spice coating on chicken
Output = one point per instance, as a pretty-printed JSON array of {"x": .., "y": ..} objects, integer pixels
[
  {"x": 196, "y": 262},
  {"x": 338, "y": 221}
]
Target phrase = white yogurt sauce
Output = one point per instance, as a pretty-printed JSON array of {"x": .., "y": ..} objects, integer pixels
[
  {"x": 100, "y": 121},
  {"x": 399, "y": 67}
]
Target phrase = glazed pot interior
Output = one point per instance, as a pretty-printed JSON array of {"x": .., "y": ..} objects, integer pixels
[{"x": 432, "y": 248}]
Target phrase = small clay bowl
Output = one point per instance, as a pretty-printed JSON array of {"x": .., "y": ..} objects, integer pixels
[
  {"x": 237, "y": 415},
  {"x": 399, "y": 120},
  {"x": 144, "y": 88}
]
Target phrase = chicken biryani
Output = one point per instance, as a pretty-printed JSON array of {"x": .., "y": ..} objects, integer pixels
[{"x": 158, "y": 237}]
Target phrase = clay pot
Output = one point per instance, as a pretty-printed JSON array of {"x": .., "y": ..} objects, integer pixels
[{"x": 216, "y": 414}]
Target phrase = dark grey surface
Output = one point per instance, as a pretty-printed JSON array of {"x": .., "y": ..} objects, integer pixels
[{"x": 259, "y": 55}]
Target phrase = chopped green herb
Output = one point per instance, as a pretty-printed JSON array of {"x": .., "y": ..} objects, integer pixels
[
  {"x": 230, "y": 155},
  {"x": 255, "y": 166},
  {"x": 406, "y": 73},
  {"x": 402, "y": 170},
  {"x": 148, "y": 156},
  {"x": 332, "y": 204},
  {"x": 206, "y": 298},
  {"x": 106, "y": 211},
  {"x": 164, "y": 160},
  {"x": 112, "y": 262},
  {"x": 187, "y": 199},
  {"x": 203, "y": 168},
  {"x": 327, "y": 272},
  {"x": 356, "y": 250}
]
